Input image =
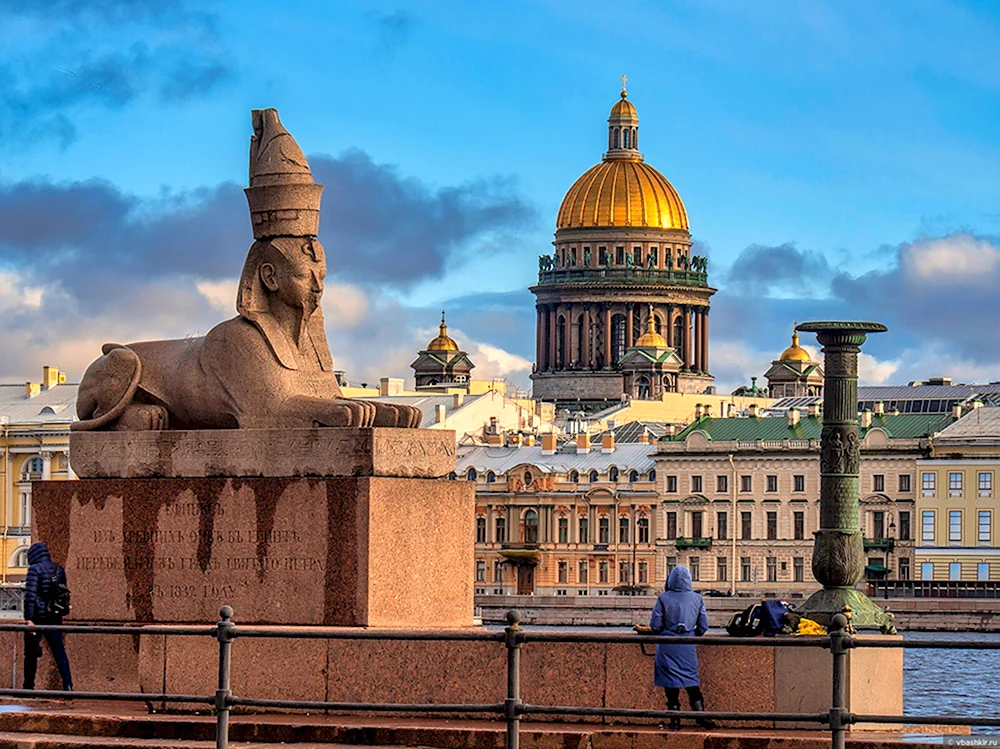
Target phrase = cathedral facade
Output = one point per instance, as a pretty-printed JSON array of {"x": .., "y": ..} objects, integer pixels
[{"x": 622, "y": 270}]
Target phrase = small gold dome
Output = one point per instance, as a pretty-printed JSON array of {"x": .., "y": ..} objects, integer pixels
[
  {"x": 622, "y": 192},
  {"x": 651, "y": 338},
  {"x": 443, "y": 342},
  {"x": 795, "y": 352},
  {"x": 624, "y": 108}
]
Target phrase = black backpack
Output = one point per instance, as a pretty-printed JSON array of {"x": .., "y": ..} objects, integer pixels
[
  {"x": 55, "y": 596},
  {"x": 747, "y": 623}
]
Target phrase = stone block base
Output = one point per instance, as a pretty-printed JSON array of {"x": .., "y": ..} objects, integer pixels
[{"x": 365, "y": 551}]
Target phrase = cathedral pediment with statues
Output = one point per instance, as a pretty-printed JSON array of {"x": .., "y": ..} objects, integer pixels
[{"x": 623, "y": 267}]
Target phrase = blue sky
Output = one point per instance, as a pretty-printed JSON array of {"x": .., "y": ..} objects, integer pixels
[{"x": 835, "y": 158}]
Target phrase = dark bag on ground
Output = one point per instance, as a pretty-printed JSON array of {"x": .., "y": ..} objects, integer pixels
[
  {"x": 55, "y": 596},
  {"x": 746, "y": 623},
  {"x": 772, "y": 616}
]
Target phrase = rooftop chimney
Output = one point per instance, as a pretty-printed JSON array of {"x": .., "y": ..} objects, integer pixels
[
  {"x": 697, "y": 411},
  {"x": 879, "y": 408},
  {"x": 51, "y": 377},
  {"x": 494, "y": 440},
  {"x": 708, "y": 411},
  {"x": 529, "y": 440},
  {"x": 752, "y": 410},
  {"x": 390, "y": 386},
  {"x": 31, "y": 389},
  {"x": 977, "y": 404},
  {"x": 458, "y": 399},
  {"x": 814, "y": 409},
  {"x": 866, "y": 419},
  {"x": 793, "y": 416},
  {"x": 956, "y": 411},
  {"x": 608, "y": 443},
  {"x": 582, "y": 444},
  {"x": 643, "y": 439},
  {"x": 440, "y": 413},
  {"x": 548, "y": 444}
]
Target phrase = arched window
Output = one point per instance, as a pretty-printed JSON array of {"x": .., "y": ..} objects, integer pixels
[
  {"x": 613, "y": 474},
  {"x": 652, "y": 475},
  {"x": 471, "y": 474},
  {"x": 21, "y": 558},
  {"x": 452, "y": 475},
  {"x": 616, "y": 138},
  {"x": 593, "y": 477},
  {"x": 635, "y": 137},
  {"x": 561, "y": 342},
  {"x": 574, "y": 476},
  {"x": 531, "y": 527},
  {"x": 626, "y": 138},
  {"x": 490, "y": 477},
  {"x": 581, "y": 342},
  {"x": 678, "y": 339},
  {"x": 633, "y": 476},
  {"x": 643, "y": 391}
]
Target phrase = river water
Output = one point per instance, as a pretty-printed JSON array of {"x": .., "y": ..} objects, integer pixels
[{"x": 935, "y": 682}]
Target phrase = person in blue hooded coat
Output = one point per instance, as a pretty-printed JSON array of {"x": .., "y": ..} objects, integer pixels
[
  {"x": 43, "y": 573},
  {"x": 679, "y": 612}
]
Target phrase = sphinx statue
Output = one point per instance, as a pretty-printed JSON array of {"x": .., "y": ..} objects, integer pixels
[{"x": 270, "y": 366}]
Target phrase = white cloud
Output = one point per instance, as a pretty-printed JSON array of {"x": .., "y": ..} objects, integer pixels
[
  {"x": 14, "y": 294},
  {"x": 220, "y": 294},
  {"x": 957, "y": 258},
  {"x": 871, "y": 371}
]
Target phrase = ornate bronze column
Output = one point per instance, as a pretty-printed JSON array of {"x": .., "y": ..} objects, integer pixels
[{"x": 838, "y": 560}]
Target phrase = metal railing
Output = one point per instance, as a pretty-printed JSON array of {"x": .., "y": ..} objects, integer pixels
[
  {"x": 840, "y": 641},
  {"x": 937, "y": 588}
]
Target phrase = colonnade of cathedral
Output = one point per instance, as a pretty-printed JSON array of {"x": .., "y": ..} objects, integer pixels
[{"x": 580, "y": 335}]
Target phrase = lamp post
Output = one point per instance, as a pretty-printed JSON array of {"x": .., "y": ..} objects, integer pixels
[
  {"x": 838, "y": 560},
  {"x": 888, "y": 554}
]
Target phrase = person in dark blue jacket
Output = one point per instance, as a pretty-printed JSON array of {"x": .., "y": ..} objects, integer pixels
[
  {"x": 679, "y": 611},
  {"x": 43, "y": 573}
]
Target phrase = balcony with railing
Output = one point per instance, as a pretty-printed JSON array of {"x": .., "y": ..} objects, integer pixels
[
  {"x": 885, "y": 544},
  {"x": 623, "y": 275},
  {"x": 696, "y": 542}
]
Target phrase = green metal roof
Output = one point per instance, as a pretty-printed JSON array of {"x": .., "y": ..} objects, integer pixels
[{"x": 903, "y": 426}]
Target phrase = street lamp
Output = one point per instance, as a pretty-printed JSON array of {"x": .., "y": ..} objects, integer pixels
[{"x": 888, "y": 554}]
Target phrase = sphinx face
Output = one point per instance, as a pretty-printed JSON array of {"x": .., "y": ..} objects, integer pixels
[{"x": 300, "y": 279}]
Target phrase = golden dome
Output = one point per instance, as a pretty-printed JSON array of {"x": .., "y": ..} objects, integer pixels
[
  {"x": 442, "y": 342},
  {"x": 624, "y": 108},
  {"x": 795, "y": 352},
  {"x": 651, "y": 338},
  {"x": 622, "y": 192}
]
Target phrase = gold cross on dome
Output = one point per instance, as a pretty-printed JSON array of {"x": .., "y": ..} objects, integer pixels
[{"x": 624, "y": 80}]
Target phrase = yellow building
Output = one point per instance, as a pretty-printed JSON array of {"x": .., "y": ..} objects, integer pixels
[
  {"x": 957, "y": 504},
  {"x": 35, "y": 419}
]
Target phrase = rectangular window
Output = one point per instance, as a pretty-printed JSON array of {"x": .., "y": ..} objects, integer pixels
[
  {"x": 904, "y": 482},
  {"x": 694, "y": 564},
  {"x": 799, "y": 525},
  {"x": 564, "y": 530},
  {"x": 904, "y": 568},
  {"x": 904, "y": 526},
  {"x": 772, "y": 526},
  {"x": 927, "y": 571},
  {"x": 480, "y": 572},
  {"x": 563, "y": 572},
  {"x": 501, "y": 530},
  {"x": 671, "y": 526},
  {"x": 603, "y": 571},
  {"x": 985, "y": 484},
  {"x": 623, "y": 528},
  {"x": 954, "y": 484},
  {"x": 721, "y": 569},
  {"x": 746, "y": 526},
  {"x": 772, "y": 569},
  {"x": 878, "y": 524},
  {"x": 955, "y": 571},
  {"x": 583, "y": 573},
  {"x": 745, "y": 569},
  {"x": 671, "y": 563},
  {"x": 480, "y": 530},
  {"x": 602, "y": 256},
  {"x": 671, "y": 484},
  {"x": 772, "y": 483},
  {"x": 722, "y": 483},
  {"x": 798, "y": 569},
  {"x": 620, "y": 255},
  {"x": 983, "y": 571},
  {"x": 643, "y": 573},
  {"x": 927, "y": 526},
  {"x": 722, "y": 525},
  {"x": 928, "y": 483},
  {"x": 604, "y": 531},
  {"x": 954, "y": 527},
  {"x": 643, "y": 526},
  {"x": 623, "y": 572},
  {"x": 984, "y": 527},
  {"x": 584, "y": 528},
  {"x": 798, "y": 483},
  {"x": 497, "y": 572},
  {"x": 878, "y": 482},
  {"x": 696, "y": 485},
  {"x": 696, "y": 525},
  {"x": 746, "y": 484}
]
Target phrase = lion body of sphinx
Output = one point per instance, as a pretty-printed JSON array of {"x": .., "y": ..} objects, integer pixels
[{"x": 226, "y": 379}]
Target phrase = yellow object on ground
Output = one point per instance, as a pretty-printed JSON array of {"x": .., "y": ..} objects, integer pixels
[{"x": 809, "y": 627}]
